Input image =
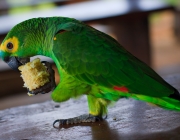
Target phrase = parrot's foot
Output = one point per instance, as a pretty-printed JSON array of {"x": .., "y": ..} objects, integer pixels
[{"x": 80, "y": 119}]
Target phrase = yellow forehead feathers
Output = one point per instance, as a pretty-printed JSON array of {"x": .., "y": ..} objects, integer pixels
[{"x": 11, "y": 49}]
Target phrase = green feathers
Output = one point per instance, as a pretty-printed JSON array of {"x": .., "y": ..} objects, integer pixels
[{"x": 91, "y": 63}]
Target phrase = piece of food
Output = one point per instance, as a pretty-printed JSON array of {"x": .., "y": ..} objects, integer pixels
[{"x": 34, "y": 74}]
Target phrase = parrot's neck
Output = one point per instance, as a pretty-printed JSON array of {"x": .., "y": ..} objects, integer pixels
[{"x": 45, "y": 44}]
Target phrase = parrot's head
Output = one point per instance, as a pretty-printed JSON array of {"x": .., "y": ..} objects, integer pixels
[
  {"x": 9, "y": 52},
  {"x": 23, "y": 41}
]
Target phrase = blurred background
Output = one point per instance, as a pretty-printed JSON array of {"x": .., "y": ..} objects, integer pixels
[{"x": 149, "y": 29}]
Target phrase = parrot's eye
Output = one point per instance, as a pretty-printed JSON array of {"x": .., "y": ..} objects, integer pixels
[{"x": 9, "y": 46}]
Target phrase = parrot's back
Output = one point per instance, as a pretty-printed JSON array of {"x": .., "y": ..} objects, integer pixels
[{"x": 96, "y": 58}]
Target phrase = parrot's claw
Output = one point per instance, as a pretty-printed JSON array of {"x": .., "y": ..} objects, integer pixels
[{"x": 80, "y": 119}]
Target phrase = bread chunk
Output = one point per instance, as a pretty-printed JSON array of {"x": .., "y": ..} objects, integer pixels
[{"x": 34, "y": 74}]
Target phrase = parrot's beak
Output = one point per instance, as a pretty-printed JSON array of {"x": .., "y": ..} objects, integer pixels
[{"x": 15, "y": 62}]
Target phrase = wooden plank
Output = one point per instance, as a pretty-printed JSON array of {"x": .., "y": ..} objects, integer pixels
[
  {"x": 10, "y": 83},
  {"x": 127, "y": 119},
  {"x": 132, "y": 32}
]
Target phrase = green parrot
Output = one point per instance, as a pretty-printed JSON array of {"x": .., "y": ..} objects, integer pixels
[{"x": 89, "y": 63}]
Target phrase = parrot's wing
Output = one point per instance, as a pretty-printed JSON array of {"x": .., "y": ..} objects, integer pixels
[
  {"x": 95, "y": 58},
  {"x": 69, "y": 87}
]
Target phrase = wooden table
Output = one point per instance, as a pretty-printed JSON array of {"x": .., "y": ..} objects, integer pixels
[{"x": 127, "y": 119}]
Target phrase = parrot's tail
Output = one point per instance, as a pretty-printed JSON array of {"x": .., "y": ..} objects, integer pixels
[
  {"x": 175, "y": 95},
  {"x": 164, "y": 102},
  {"x": 172, "y": 102}
]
